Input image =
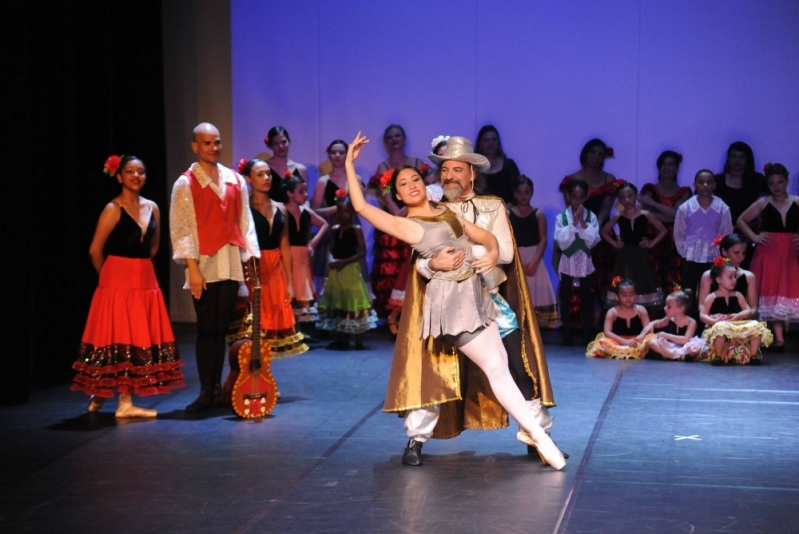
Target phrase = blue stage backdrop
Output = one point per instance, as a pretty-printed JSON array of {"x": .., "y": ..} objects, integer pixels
[{"x": 643, "y": 76}]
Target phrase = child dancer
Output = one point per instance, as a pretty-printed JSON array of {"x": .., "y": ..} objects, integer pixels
[
  {"x": 733, "y": 248},
  {"x": 776, "y": 260},
  {"x": 576, "y": 232},
  {"x": 300, "y": 219},
  {"x": 675, "y": 339},
  {"x": 530, "y": 229},
  {"x": 345, "y": 306},
  {"x": 625, "y": 335},
  {"x": 731, "y": 335},
  {"x": 633, "y": 258},
  {"x": 698, "y": 221}
]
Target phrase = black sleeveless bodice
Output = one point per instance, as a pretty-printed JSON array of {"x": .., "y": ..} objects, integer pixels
[
  {"x": 126, "y": 238},
  {"x": 721, "y": 305},
  {"x": 268, "y": 239},
  {"x": 346, "y": 245},
  {"x": 741, "y": 285},
  {"x": 299, "y": 238},
  {"x": 525, "y": 229},
  {"x": 632, "y": 232},
  {"x": 277, "y": 191},
  {"x": 772, "y": 220},
  {"x": 620, "y": 327},
  {"x": 330, "y": 192},
  {"x": 675, "y": 330}
]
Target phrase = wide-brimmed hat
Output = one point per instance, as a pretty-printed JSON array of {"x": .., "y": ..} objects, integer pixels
[{"x": 460, "y": 149}]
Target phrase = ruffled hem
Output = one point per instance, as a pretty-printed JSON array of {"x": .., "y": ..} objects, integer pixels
[
  {"x": 694, "y": 347},
  {"x": 126, "y": 369},
  {"x": 349, "y": 322},
  {"x": 650, "y": 300},
  {"x": 779, "y": 309},
  {"x": 733, "y": 353},
  {"x": 282, "y": 343},
  {"x": 739, "y": 332},
  {"x": 396, "y": 300},
  {"x": 603, "y": 347},
  {"x": 547, "y": 317}
]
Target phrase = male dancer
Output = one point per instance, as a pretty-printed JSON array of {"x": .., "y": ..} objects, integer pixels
[
  {"x": 212, "y": 234},
  {"x": 426, "y": 415}
]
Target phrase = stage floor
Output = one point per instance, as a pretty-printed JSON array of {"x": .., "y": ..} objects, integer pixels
[{"x": 655, "y": 447}]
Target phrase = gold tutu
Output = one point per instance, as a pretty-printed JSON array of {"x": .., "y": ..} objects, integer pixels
[
  {"x": 604, "y": 347},
  {"x": 738, "y": 332}
]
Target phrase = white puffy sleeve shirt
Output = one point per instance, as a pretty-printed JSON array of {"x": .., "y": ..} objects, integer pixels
[{"x": 578, "y": 264}]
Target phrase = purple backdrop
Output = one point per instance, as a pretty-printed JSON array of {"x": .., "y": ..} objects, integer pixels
[{"x": 643, "y": 76}]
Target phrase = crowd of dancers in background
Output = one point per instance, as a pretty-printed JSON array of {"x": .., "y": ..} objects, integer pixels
[{"x": 701, "y": 273}]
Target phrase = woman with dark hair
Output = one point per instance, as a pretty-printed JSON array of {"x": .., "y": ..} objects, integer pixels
[
  {"x": 776, "y": 260},
  {"x": 389, "y": 252},
  {"x": 324, "y": 193},
  {"x": 498, "y": 179},
  {"x": 283, "y": 169},
  {"x": 663, "y": 199},
  {"x": 128, "y": 346},
  {"x": 602, "y": 187},
  {"x": 739, "y": 185}
]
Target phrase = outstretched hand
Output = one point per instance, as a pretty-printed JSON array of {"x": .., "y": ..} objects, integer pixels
[{"x": 354, "y": 150}]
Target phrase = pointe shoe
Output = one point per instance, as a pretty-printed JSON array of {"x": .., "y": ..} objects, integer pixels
[
  {"x": 95, "y": 403},
  {"x": 135, "y": 412},
  {"x": 547, "y": 450}
]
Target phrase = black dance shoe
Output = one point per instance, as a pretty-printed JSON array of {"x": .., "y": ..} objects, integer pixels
[
  {"x": 219, "y": 400},
  {"x": 203, "y": 402},
  {"x": 413, "y": 453}
]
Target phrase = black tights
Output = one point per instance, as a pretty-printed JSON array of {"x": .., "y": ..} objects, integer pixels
[
  {"x": 513, "y": 346},
  {"x": 213, "y": 310},
  {"x": 586, "y": 303}
]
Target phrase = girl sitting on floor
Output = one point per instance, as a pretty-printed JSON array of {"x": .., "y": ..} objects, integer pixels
[
  {"x": 731, "y": 335},
  {"x": 625, "y": 335},
  {"x": 675, "y": 339}
]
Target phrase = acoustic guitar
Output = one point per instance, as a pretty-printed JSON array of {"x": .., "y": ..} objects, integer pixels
[{"x": 254, "y": 390}]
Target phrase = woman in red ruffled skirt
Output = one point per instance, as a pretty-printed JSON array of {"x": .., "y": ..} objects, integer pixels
[{"x": 127, "y": 346}]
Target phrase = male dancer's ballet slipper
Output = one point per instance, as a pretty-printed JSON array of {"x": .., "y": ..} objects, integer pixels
[
  {"x": 135, "y": 412},
  {"x": 95, "y": 403},
  {"x": 547, "y": 450}
]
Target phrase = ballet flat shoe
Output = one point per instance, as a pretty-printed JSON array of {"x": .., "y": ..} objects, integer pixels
[
  {"x": 95, "y": 403},
  {"x": 546, "y": 449},
  {"x": 135, "y": 412}
]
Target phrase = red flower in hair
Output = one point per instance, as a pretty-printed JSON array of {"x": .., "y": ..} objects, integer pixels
[
  {"x": 288, "y": 174},
  {"x": 675, "y": 288},
  {"x": 424, "y": 168},
  {"x": 242, "y": 164},
  {"x": 385, "y": 181},
  {"x": 111, "y": 165},
  {"x": 609, "y": 152},
  {"x": 720, "y": 261},
  {"x": 266, "y": 140},
  {"x": 616, "y": 280},
  {"x": 340, "y": 193},
  {"x": 716, "y": 242},
  {"x": 766, "y": 167}
]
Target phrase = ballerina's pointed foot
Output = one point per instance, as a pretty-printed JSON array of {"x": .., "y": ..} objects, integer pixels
[
  {"x": 546, "y": 448},
  {"x": 135, "y": 412},
  {"x": 95, "y": 403}
]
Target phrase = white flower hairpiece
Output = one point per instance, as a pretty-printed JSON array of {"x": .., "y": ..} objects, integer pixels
[{"x": 439, "y": 139}]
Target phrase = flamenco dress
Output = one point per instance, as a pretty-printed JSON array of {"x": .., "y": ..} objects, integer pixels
[
  {"x": 776, "y": 265},
  {"x": 738, "y": 334},
  {"x": 128, "y": 345},
  {"x": 604, "y": 347},
  {"x": 304, "y": 301},
  {"x": 344, "y": 305},
  {"x": 525, "y": 229},
  {"x": 603, "y": 255},
  {"x": 633, "y": 262},
  {"x": 664, "y": 255},
  {"x": 679, "y": 352},
  {"x": 278, "y": 328}
]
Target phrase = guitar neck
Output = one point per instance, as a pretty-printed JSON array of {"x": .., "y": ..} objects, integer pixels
[{"x": 256, "y": 323}]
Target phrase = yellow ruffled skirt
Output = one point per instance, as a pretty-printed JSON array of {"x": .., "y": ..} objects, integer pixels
[
  {"x": 738, "y": 335},
  {"x": 603, "y": 347}
]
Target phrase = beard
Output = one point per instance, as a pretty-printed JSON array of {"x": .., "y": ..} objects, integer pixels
[{"x": 453, "y": 190}]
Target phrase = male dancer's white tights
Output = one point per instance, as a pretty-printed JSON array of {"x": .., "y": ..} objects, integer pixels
[{"x": 488, "y": 353}]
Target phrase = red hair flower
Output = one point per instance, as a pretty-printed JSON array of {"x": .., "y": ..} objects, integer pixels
[
  {"x": 340, "y": 193},
  {"x": 616, "y": 280},
  {"x": 766, "y": 167},
  {"x": 424, "y": 168},
  {"x": 675, "y": 288},
  {"x": 609, "y": 152},
  {"x": 266, "y": 140},
  {"x": 242, "y": 164},
  {"x": 716, "y": 242},
  {"x": 385, "y": 181},
  {"x": 720, "y": 261},
  {"x": 288, "y": 174},
  {"x": 111, "y": 165}
]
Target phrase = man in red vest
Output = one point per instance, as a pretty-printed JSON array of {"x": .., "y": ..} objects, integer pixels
[{"x": 212, "y": 234}]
